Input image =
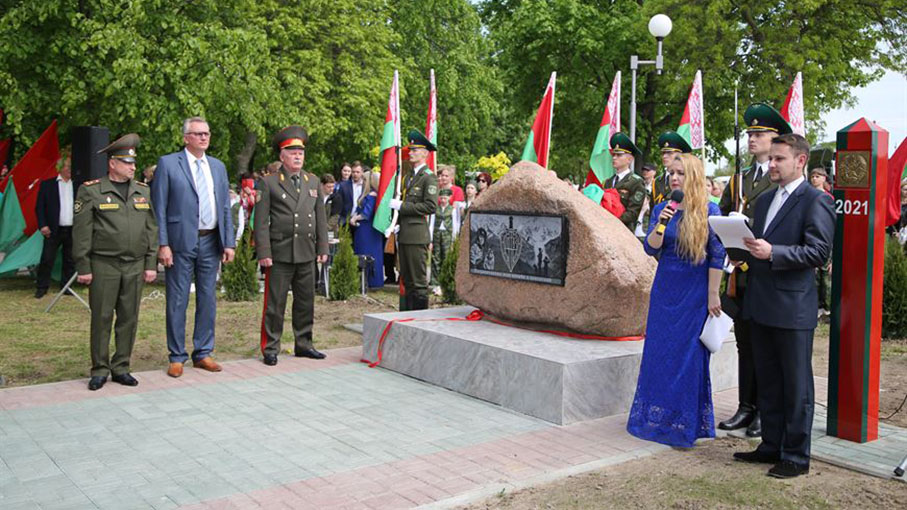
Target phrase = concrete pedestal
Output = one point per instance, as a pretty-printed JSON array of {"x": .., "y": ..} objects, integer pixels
[{"x": 557, "y": 379}]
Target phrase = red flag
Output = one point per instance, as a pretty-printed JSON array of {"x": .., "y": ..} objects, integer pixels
[
  {"x": 896, "y": 167},
  {"x": 792, "y": 111},
  {"x": 4, "y": 152},
  {"x": 38, "y": 164},
  {"x": 539, "y": 140}
]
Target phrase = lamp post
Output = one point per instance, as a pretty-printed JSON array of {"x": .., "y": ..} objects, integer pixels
[{"x": 659, "y": 26}]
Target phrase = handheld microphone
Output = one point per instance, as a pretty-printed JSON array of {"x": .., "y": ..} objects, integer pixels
[{"x": 676, "y": 199}]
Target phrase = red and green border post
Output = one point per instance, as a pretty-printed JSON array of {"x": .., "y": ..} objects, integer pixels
[{"x": 861, "y": 174}]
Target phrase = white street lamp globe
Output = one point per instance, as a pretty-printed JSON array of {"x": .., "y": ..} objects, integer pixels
[{"x": 660, "y": 26}]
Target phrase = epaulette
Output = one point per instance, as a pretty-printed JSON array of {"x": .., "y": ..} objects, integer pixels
[
  {"x": 140, "y": 183},
  {"x": 635, "y": 176},
  {"x": 90, "y": 183}
]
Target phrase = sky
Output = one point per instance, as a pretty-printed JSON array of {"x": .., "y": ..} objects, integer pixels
[{"x": 883, "y": 102}]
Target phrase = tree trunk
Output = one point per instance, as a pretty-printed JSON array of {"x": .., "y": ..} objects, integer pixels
[{"x": 244, "y": 157}]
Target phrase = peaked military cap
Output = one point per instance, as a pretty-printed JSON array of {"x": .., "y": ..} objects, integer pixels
[
  {"x": 123, "y": 148},
  {"x": 763, "y": 117},
  {"x": 445, "y": 192},
  {"x": 418, "y": 141},
  {"x": 622, "y": 143},
  {"x": 290, "y": 137},
  {"x": 671, "y": 141}
]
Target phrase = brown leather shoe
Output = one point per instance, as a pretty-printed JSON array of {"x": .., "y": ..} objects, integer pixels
[
  {"x": 207, "y": 364},
  {"x": 175, "y": 370}
]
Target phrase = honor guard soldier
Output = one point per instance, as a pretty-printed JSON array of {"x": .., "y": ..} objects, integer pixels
[
  {"x": 290, "y": 236},
  {"x": 630, "y": 186},
  {"x": 763, "y": 123},
  {"x": 670, "y": 143},
  {"x": 420, "y": 199},
  {"x": 115, "y": 251}
]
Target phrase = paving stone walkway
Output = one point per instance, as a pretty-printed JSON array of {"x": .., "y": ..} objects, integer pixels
[{"x": 304, "y": 434}]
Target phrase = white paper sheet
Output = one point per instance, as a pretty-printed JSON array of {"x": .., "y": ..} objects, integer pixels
[
  {"x": 731, "y": 230},
  {"x": 715, "y": 330}
]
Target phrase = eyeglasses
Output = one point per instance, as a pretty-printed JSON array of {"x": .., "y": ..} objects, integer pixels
[
  {"x": 483, "y": 180},
  {"x": 200, "y": 134}
]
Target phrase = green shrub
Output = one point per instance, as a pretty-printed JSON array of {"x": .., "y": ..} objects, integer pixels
[
  {"x": 344, "y": 269},
  {"x": 448, "y": 272},
  {"x": 240, "y": 278},
  {"x": 894, "y": 293}
]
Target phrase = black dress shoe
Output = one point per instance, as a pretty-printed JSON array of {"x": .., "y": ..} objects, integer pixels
[
  {"x": 757, "y": 457},
  {"x": 270, "y": 360},
  {"x": 742, "y": 418},
  {"x": 39, "y": 293},
  {"x": 788, "y": 469},
  {"x": 310, "y": 353},
  {"x": 755, "y": 427},
  {"x": 97, "y": 382},
  {"x": 125, "y": 379}
]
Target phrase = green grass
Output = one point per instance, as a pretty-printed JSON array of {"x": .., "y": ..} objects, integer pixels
[{"x": 38, "y": 347}]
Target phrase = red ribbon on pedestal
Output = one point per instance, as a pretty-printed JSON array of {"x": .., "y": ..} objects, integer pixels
[{"x": 477, "y": 315}]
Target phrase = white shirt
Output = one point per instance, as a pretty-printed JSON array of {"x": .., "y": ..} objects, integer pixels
[
  {"x": 621, "y": 175},
  {"x": 210, "y": 187},
  {"x": 65, "y": 189},
  {"x": 781, "y": 196},
  {"x": 357, "y": 192},
  {"x": 761, "y": 170}
]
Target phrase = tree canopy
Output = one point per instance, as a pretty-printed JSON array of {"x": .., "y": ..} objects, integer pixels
[{"x": 252, "y": 67}]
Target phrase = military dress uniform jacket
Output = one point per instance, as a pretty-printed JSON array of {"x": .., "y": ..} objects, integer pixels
[
  {"x": 632, "y": 192},
  {"x": 290, "y": 226},
  {"x": 107, "y": 224},
  {"x": 750, "y": 192},
  {"x": 420, "y": 200},
  {"x": 661, "y": 189}
]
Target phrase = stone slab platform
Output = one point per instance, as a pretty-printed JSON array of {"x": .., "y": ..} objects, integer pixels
[{"x": 557, "y": 379}]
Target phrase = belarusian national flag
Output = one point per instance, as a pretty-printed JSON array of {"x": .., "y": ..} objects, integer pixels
[
  {"x": 692, "y": 124},
  {"x": 12, "y": 222},
  {"x": 431, "y": 123},
  {"x": 792, "y": 111},
  {"x": 38, "y": 164},
  {"x": 600, "y": 167},
  {"x": 539, "y": 140},
  {"x": 27, "y": 253},
  {"x": 390, "y": 163}
]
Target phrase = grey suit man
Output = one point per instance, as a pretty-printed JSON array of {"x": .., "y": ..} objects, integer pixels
[
  {"x": 794, "y": 228},
  {"x": 191, "y": 200},
  {"x": 290, "y": 236}
]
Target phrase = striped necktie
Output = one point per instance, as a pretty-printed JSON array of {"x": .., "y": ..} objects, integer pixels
[{"x": 205, "y": 208}]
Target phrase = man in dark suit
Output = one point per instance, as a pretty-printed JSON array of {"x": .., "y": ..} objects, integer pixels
[
  {"x": 763, "y": 124},
  {"x": 191, "y": 200},
  {"x": 54, "y": 211},
  {"x": 350, "y": 192},
  {"x": 794, "y": 228},
  {"x": 290, "y": 237}
]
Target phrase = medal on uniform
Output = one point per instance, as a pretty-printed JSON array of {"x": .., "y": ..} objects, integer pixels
[
  {"x": 313, "y": 193},
  {"x": 108, "y": 200}
]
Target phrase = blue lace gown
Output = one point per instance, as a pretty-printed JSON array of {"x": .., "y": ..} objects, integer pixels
[{"x": 673, "y": 402}]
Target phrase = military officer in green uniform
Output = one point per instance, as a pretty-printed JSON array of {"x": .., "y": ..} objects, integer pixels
[
  {"x": 115, "y": 251},
  {"x": 290, "y": 236},
  {"x": 630, "y": 186},
  {"x": 763, "y": 123},
  {"x": 670, "y": 143},
  {"x": 420, "y": 199}
]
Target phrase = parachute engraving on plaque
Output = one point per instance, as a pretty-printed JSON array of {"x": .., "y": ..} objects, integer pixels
[{"x": 519, "y": 246}]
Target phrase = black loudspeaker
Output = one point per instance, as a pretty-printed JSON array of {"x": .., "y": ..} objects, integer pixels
[{"x": 87, "y": 164}]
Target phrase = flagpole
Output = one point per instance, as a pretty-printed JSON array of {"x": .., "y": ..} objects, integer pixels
[{"x": 551, "y": 117}]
